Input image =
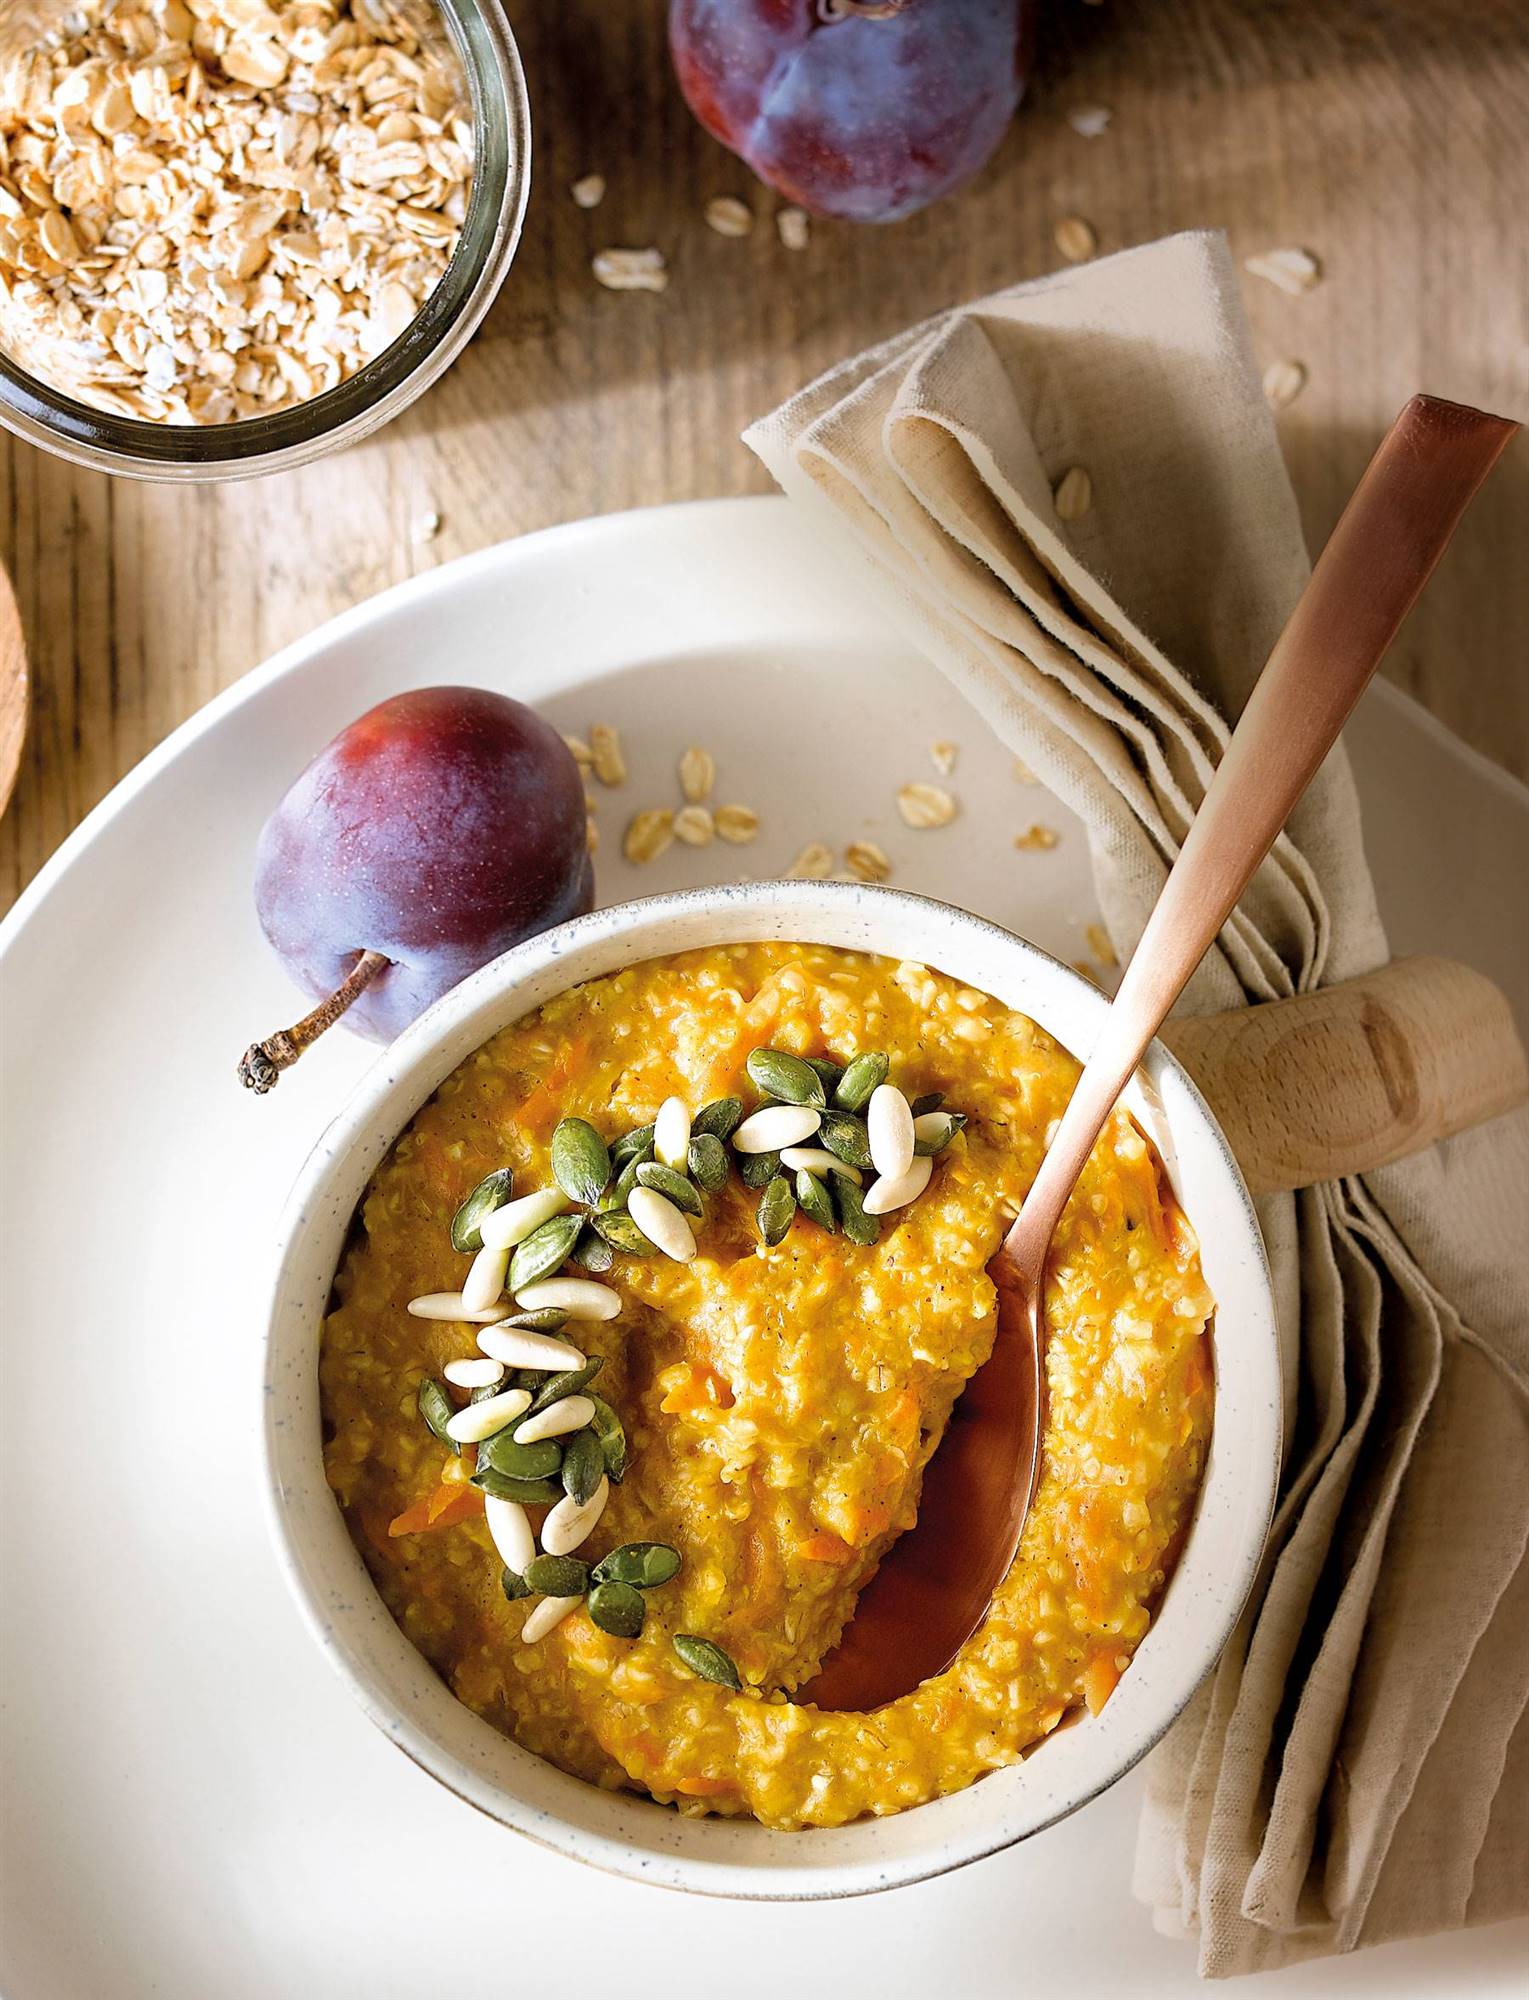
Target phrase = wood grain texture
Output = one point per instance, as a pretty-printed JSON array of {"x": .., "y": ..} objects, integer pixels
[{"x": 1386, "y": 136}]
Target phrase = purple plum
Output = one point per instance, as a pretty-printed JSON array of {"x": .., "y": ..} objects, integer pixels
[
  {"x": 862, "y": 109},
  {"x": 440, "y": 828}
]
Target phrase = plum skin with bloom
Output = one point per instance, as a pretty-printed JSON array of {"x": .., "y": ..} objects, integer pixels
[
  {"x": 865, "y": 116},
  {"x": 440, "y": 828}
]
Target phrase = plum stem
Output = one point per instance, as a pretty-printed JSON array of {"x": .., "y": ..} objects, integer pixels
[
  {"x": 868, "y": 10},
  {"x": 263, "y": 1062}
]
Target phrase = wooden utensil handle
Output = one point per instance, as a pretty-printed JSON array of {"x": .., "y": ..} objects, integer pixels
[{"x": 1358, "y": 1074}]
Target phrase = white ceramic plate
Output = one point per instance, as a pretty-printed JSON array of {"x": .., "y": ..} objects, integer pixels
[{"x": 192, "y": 1804}]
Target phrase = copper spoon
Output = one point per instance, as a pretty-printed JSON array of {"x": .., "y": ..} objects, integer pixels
[{"x": 934, "y": 1588}]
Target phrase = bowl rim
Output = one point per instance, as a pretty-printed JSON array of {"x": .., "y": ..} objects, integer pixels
[{"x": 793, "y": 1873}]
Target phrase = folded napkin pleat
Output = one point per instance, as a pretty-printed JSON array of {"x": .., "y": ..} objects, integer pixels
[{"x": 1357, "y": 1766}]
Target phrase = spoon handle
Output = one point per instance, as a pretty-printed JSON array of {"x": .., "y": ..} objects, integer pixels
[{"x": 1380, "y": 555}]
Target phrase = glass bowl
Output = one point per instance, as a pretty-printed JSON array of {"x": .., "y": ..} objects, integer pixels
[{"x": 496, "y": 208}]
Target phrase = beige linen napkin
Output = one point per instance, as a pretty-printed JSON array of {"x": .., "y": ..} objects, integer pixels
[{"x": 1357, "y": 1768}]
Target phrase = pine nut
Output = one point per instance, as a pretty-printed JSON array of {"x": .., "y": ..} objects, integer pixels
[
  {"x": 776, "y": 1126},
  {"x": 547, "y": 1616},
  {"x": 480, "y": 1420},
  {"x": 514, "y": 1222},
  {"x": 817, "y": 1162},
  {"x": 518, "y": 1347},
  {"x": 569, "y": 1523},
  {"x": 450, "y": 1305},
  {"x": 510, "y": 1527},
  {"x": 896, "y": 1191},
  {"x": 474, "y": 1374},
  {"x": 889, "y": 1126},
  {"x": 671, "y": 1133},
  {"x": 484, "y": 1283},
  {"x": 580, "y": 1298},
  {"x": 662, "y": 1223},
  {"x": 568, "y": 1413}
]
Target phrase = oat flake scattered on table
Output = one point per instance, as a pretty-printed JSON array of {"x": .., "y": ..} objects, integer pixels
[{"x": 213, "y": 209}]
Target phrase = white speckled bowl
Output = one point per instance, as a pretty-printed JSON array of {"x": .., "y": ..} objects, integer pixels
[{"x": 620, "y": 1831}]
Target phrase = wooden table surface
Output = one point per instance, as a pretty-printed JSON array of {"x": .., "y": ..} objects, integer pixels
[{"x": 1386, "y": 136}]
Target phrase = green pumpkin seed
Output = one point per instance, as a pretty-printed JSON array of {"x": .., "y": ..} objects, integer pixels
[
  {"x": 814, "y": 1200},
  {"x": 500, "y": 1453},
  {"x": 636, "y": 1145},
  {"x": 622, "y": 1233},
  {"x": 493, "y": 1389},
  {"x": 930, "y": 1101},
  {"x": 618, "y": 1609},
  {"x": 707, "y": 1161},
  {"x": 785, "y": 1077},
  {"x": 954, "y": 1120},
  {"x": 581, "y": 1161},
  {"x": 558, "y": 1576},
  {"x": 551, "y": 1389},
  {"x": 583, "y": 1466},
  {"x": 644, "y": 1565},
  {"x": 619, "y": 1192},
  {"x": 707, "y": 1660},
  {"x": 777, "y": 1210},
  {"x": 717, "y": 1120},
  {"x": 513, "y": 1585},
  {"x": 861, "y": 1077},
  {"x": 758, "y": 1169},
  {"x": 525, "y": 1492},
  {"x": 673, "y": 1186},
  {"x": 857, "y": 1225},
  {"x": 544, "y": 1251},
  {"x": 607, "y": 1427},
  {"x": 492, "y": 1192},
  {"x": 593, "y": 1253},
  {"x": 437, "y": 1409},
  {"x": 846, "y": 1138},
  {"x": 550, "y": 1319},
  {"x": 828, "y": 1073}
]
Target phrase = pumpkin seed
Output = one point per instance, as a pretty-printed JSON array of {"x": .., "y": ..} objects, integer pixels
[
  {"x": 492, "y": 1192},
  {"x": 437, "y": 1409},
  {"x": 495, "y": 1388},
  {"x": 622, "y": 1233},
  {"x": 618, "y": 1609},
  {"x": 674, "y": 1187},
  {"x": 707, "y": 1660},
  {"x": 553, "y": 1388},
  {"x": 758, "y": 1169},
  {"x": 846, "y": 1138},
  {"x": 719, "y": 1118},
  {"x": 607, "y": 1427},
  {"x": 777, "y": 1210},
  {"x": 501, "y": 1453},
  {"x": 637, "y": 1145},
  {"x": 617, "y": 1195},
  {"x": 930, "y": 1101},
  {"x": 643, "y": 1565},
  {"x": 513, "y": 1585},
  {"x": 707, "y": 1161},
  {"x": 853, "y": 1091},
  {"x": 544, "y": 1251},
  {"x": 593, "y": 1253},
  {"x": 558, "y": 1576},
  {"x": 524, "y": 1492},
  {"x": 828, "y": 1073},
  {"x": 857, "y": 1225},
  {"x": 814, "y": 1200},
  {"x": 551, "y": 1319},
  {"x": 581, "y": 1161},
  {"x": 785, "y": 1077},
  {"x": 938, "y": 1129},
  {"x": 583, "y": 1466}
]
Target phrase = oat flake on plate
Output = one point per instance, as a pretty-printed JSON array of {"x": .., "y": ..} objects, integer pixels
[{"x": 215, "y": 209}]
